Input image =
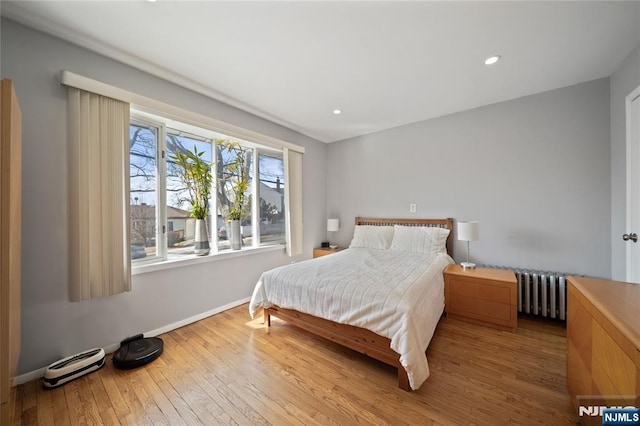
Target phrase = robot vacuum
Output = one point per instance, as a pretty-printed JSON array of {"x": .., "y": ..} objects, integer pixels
[
  {"x": 137, "y": 351},
  {"x": 72, "y": 367}
]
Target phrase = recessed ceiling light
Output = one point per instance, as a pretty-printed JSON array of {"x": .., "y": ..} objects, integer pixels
[
  {"x": 492, "y": 60},
  {"x": 337, "y": 111}
]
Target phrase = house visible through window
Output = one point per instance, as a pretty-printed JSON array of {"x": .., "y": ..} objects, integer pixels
[{"x": 161, "y": 224}]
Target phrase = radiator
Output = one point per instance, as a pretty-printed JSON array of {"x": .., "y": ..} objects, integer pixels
[{"x": 541, "y": 293}]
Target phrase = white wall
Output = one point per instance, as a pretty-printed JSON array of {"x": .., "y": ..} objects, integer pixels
[
  {"x": 53, "y": 327},
  {"x": 623, "y": 81},
  {"x": 534, "y": 171}
]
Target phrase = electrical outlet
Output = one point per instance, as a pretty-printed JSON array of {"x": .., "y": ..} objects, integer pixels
[{"x": 412, "y": 208}]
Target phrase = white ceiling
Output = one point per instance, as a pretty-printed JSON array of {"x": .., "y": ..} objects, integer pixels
[{"x": 383, "y": 63}]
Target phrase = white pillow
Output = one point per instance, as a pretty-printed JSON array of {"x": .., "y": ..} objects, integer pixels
[
  {"x": 420, "y": 239},
  {"x": 375, "y": 237}
]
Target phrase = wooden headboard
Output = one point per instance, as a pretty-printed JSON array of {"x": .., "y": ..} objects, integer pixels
[{"x": 440, "y": 223}]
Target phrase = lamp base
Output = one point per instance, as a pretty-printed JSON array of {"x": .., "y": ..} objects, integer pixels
[
  {"x": 468, "y": 265},
  {"x": 333, "y": 246}
]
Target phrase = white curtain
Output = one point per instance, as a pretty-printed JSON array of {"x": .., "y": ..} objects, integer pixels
[
  {"x": 99, "y": 243},
  {"x": 293, "y": 200}
]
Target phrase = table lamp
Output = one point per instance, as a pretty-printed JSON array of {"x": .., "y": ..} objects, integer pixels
[
  {"x": 333, "y": 225},
  {"x": 468, "y": 231}
]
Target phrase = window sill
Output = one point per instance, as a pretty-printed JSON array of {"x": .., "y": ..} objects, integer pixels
[{"x": 153, "y": 266}]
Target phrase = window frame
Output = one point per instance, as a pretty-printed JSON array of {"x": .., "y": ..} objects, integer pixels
[
  {"x": 161, "y": 219},
  {"x": 144, "y": 104},
  {"x": 256, "y": 195},
  {"x": 163, "y": 256}
]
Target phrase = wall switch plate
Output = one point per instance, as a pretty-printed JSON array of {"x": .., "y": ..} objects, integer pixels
[{"x": 412, "y": 208}]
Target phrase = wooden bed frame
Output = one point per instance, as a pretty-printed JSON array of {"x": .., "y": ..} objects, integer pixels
[{"x": 357, "y": 338}]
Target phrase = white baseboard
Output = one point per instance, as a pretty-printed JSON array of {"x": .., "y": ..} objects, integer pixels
[{"x": 39, "y": 373}]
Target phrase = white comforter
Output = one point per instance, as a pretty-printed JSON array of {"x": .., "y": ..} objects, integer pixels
[{"x": 396, "y": 294}]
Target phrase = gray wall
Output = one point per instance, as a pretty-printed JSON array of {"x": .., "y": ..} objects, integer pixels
[
  {"x": 534, "y": 171},
  {"x": 623, "y": 81},
  {"x": 53, "y": 327},
  {"x": 537, "y": 172}
]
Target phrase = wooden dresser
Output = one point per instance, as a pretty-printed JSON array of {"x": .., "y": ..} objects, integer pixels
[
  {"x": 10, "y": 202},
  {"x": 603, "y": 338}
]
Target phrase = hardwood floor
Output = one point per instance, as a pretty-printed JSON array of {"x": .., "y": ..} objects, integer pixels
[{"x": 227, "y": 369}]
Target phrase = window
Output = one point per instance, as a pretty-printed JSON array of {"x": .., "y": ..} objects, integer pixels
[
  {"x": 143, "y": 184},
  {"x": 271, "y": 196},
  {"x": 154, "y": 210},
  {"x": 180, "y": 239},
  {"x": 161, "y": 223},
  {"x": 233, "y": 161}
]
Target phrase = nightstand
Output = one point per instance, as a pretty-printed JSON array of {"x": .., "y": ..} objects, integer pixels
[
  {"x": 482, "y": 295},
  {"x": 323, "y": 251}
]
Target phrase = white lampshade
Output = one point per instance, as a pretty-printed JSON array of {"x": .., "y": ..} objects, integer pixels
[
  {"x": 468, "y": 231},
  {"x": 333, "y": 225}
]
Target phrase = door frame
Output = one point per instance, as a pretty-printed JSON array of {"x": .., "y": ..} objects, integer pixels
[{"x": 633, "y": 147}]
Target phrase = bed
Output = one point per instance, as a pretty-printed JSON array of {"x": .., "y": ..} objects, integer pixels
[{"x": 377, "y": 297}]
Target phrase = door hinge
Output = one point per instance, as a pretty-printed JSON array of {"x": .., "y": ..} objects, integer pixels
[
  {"x": 163, "y": 153},
  {"x": 164, "y": 229}
]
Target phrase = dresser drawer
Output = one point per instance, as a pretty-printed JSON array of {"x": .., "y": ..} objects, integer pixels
[
  {"x": 491, "y": 292},
  {"x": 480, "y": 309}
]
